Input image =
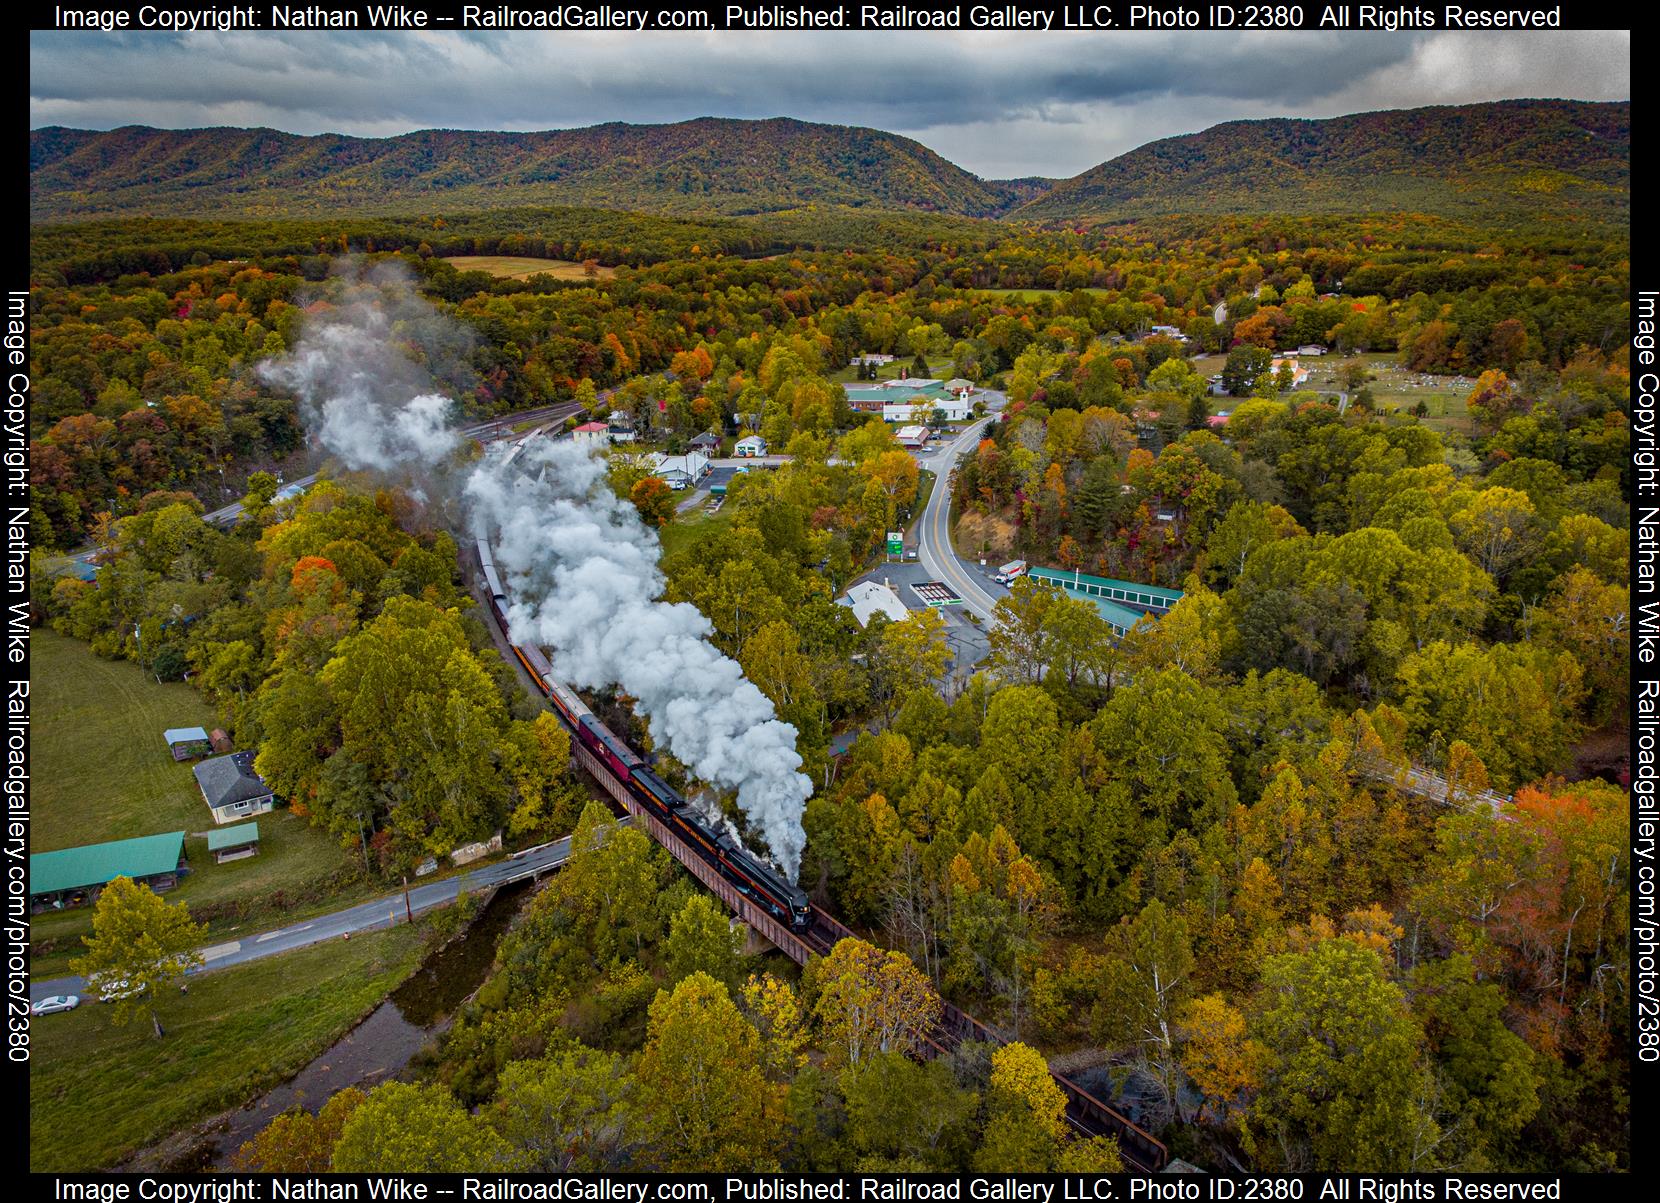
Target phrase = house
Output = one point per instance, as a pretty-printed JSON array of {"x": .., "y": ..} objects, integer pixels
[
  {"x": 707, "y": 443},
  {"x": 74, "y": 876},
  {"x": 912, "y": 436},
  {"x": 868, "y": 598},
  {"x": 1299, "y": 374},
  {"x": 958, "y": 387},
  {"x": 750, "y": 447},
  {"x": 593, "y": 435},
  {"x": 680, "y": 471},
  {"x": 874, "y": 360},
  {"x": 234, "y": 843},
  {"x": 1167, "y": 332},
  {"x": 620, "y": 426},
  {"x": 232, "y": 789},
  {"x": 1311, "y": 351},
  {"x": 187, "y": 742},
  {"x": 925, "y": 406}
]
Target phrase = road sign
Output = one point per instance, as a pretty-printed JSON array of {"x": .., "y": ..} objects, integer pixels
[{"x": 896, "y": 543}]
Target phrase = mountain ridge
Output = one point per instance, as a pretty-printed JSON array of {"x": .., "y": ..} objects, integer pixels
[{"x": 1523, "y": 156}]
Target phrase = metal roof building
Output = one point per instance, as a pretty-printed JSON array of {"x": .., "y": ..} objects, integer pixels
[
  {"x": 153, "y": 860},
  {"x": 1121, "y": 603},
  {"x": 868, "y": 598},
  {"x": 185, "y": 742}
]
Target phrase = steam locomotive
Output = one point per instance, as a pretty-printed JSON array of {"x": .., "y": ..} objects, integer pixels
[{"x": 752, "y": 878}]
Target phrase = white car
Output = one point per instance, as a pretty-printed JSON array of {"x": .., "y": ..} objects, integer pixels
[
  {"x": 114, "y": 989},
  {"x": 54, "y": 1004}
]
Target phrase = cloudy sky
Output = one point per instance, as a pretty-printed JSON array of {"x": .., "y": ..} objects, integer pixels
[{"x": 1001, "y": 105}]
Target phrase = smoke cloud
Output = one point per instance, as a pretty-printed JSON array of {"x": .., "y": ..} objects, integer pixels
[
  {"x": 580, "y": 567},
  {"x": 582, "y": 572},
  {"x": 371, "y": 372}
]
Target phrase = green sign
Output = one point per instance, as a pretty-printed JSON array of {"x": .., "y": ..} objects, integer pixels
[{"x": 896, "y": 542}]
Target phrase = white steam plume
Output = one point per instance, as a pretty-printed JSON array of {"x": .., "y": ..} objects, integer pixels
[
  {"x": 577, "y": 561},
  {"x": 365, "y": 367},
  {"x": 582, "y": 571}
]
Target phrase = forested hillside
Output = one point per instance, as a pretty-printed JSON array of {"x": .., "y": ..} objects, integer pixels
[
  {"x": 1520, "y": 156},
  {"x": 706, "y": 166}
]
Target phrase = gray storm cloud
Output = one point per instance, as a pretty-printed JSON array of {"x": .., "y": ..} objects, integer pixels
[{"x": 580, "y": 567}]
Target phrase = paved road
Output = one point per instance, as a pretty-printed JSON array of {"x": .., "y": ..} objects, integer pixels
[
  {"x": 366, "y": 916},
  {"x": 934, "y": 531}
]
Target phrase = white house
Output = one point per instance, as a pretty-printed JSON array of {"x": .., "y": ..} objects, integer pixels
[
  {"x": 1299, "y": 374},
  {"x": 592, "y": 435},
  {"x": 750, "y": 446},
  {"x": 956, "y": 409},
  {"x": 680, "y": 471},
  {"x": 868, "y": 598},
  {"x": 912, "y": 436},
  {"x": 620, "y": 426}
]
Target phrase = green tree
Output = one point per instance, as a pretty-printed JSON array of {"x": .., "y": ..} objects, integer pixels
[
  {"x": 405, "y": 1129},
  {"x": 568, "y": 1114},
  {"x": 899, "y": 1109},
  {"x": 141, "y": 941},
  {"x": 705, "y": 1103},
  {"x": 701, "y": 940},
  {"x": 1348, "y": 1089}
]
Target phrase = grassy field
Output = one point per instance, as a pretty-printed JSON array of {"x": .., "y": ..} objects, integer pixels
[
  {"x": 98, "y": 1092},
  {"x": 515, "y": 267},
  {"x": 939, "y": 368},
  {"x": 687, "y": 529},
  {"x": 1394, "y": 388},
  {"x": 102, "y": 772}
]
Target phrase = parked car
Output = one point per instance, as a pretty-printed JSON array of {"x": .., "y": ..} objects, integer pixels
[
  {"x": 54, "y": 1004},
  {"x": 114, "y": 989}
]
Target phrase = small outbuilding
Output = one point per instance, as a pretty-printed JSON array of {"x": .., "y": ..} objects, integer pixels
[
  {"x": 221, "y": 742},
  {"x": 750, "y": 447},
  {"x": 74, "y": 876},
  {"x": 234, "y": 843},
  {"x": 232, "y": 789},
  {"x": 187, "y": 742}
]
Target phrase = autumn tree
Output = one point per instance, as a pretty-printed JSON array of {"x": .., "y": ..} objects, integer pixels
[
  {"x": 140, "y": 942},
  {"x": 297, "y": 1141},
  {"x": 654, "y": 500},
  {"x": 870, "y": 1001},
  {"x": 1027, "y": 1114}
]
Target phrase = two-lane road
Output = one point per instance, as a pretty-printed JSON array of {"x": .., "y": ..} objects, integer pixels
[
  {"x": 934, "y": 531},
  {"x": 366, "y": 916}
]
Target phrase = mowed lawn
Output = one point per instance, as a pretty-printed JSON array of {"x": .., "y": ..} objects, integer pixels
[
  {"x": 103, "y": 772},
  {"x": 98, "y": 1092},
  {"x": 519, "y": 267}
]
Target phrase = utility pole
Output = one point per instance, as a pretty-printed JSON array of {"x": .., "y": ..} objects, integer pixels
[{"x": 409, "y": 914}]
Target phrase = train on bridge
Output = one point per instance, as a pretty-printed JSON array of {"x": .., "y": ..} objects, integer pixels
[{"x": 776, "y": 908}]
